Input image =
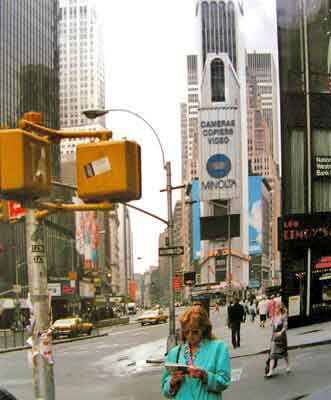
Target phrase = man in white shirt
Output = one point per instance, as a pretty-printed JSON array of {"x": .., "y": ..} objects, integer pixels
[{"x": 263, "y": 310}]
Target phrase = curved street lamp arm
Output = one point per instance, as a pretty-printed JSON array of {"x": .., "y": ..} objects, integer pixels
[
  {"x": 147, "y": 123},
  {"x": 147, "y": 213}
]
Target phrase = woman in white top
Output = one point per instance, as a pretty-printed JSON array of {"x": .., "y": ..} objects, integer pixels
[{"x": 263, "y": 310}]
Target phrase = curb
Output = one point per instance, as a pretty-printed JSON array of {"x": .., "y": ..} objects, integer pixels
[
  {"x": 79, "y": 339},
  {"x": 293, "y": 347}
]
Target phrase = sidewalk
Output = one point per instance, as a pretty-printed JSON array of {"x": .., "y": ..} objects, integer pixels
[{"x": 255, "y": 339}]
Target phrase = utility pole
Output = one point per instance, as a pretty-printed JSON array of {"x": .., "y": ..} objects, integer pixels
[{"x": 43, "y": 376}]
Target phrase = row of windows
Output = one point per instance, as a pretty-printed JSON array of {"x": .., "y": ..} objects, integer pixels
[
  {"x": 219, "y": 29},
  {"x": 72, "y": 12}
]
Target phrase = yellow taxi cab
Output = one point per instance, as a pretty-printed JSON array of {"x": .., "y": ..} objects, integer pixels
[
  {"x": 153, "y": 317},
  {"x": 71, "y": 327}
]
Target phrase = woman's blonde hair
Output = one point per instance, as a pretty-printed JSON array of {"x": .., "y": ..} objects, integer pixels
[{"x": 197, "y": 314}]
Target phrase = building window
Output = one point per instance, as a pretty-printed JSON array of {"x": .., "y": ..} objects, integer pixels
[
  {"x": 217, "y": 80},
  {"x": 213, "y": 28},
  {"x": 205, "y": 29},
  {"x": 222, "y": 28},
  {"x": 232, "y": 34}
]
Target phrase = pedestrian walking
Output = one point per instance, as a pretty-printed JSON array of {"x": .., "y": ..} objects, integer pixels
[
  {"x": 252, "y": 310},
  {"x": 236, "y": 315},
  {"x": 263, "y": 310},
  {"x": 278, "y": 347},
  {"x": 204, "y": 362}
]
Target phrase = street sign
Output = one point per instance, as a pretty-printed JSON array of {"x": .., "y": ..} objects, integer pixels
[
  {"x": 171, "y": 251},
  {"x": 254, "y": 284}
]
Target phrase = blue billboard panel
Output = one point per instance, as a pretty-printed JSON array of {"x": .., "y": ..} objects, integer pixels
[
  {"x": 196, "y": 238},
  {"x": 255, "y": 214}
]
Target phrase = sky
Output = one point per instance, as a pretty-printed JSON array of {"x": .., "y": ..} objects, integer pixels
[{"x": 146, "y": 44}]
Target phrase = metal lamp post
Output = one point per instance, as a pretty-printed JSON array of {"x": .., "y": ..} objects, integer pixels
[{"x": 92, "y": 114}]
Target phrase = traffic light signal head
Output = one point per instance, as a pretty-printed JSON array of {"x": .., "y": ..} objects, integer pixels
[
  {"x": 25, "y": 165},
  {"x": 109, "y": 171}
]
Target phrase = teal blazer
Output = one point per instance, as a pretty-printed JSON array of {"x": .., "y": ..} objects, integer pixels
[{"x": 213, "y": 356}]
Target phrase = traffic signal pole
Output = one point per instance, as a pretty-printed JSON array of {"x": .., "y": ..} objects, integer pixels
[
  {"x": 171, "y": 342},
  {"x": 42, "y": 363}
]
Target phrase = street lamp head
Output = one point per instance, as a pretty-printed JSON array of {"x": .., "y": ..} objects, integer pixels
[{"x": 93, "y": 114}]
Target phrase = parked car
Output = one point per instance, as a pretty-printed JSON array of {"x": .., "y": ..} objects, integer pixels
[
  {"x": 71, "y": 327},
  {"x": 152, "y": 317}
]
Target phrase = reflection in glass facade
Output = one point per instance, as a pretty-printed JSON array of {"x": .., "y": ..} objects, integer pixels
[
  {"x": 304, "y": 28},
  {"x": 29, "y": 63}
]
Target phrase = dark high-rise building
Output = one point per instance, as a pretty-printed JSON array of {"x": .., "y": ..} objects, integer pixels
[
  {"x": 29, "y": 81},
  {"x": 304, "y": 229},
  {"x": 29, "y": 67},
  {"x": 28, "y": 60}
]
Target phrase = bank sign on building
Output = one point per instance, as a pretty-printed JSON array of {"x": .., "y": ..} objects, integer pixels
[{"x": 219, "y": 156}]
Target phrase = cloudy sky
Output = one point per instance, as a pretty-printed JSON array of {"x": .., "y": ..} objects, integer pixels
[{"x": 146, "y": 44}]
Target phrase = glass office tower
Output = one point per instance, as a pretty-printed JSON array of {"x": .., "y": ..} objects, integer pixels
[
  {"x": 28, "y": 60},
  {"x": 29, "y": 81},
  {"x": 305, "y": 229}
]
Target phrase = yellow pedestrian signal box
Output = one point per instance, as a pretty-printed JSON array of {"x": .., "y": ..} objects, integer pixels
[
  {"x": 25, "y": 165},
  {"x": 109, "y": 171}
]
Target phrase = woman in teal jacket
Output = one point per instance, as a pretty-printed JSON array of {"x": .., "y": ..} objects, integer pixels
[{"x": 208, "y": 371}]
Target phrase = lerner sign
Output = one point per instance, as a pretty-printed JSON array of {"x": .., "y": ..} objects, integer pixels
[{"x": 219, "y": 149}]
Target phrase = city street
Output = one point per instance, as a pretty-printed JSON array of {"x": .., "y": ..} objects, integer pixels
[{"x": 115, "y": 367}]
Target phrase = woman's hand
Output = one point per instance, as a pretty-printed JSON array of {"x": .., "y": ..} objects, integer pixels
[
  {"x": 177, "y": 376},
  {"x": 199, "y": 373}
]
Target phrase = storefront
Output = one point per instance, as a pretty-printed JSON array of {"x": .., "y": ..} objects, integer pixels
[{"x": 305, "y": 242}]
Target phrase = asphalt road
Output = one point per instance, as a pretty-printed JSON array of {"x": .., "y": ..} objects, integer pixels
[{"x": 114, "y": 367}]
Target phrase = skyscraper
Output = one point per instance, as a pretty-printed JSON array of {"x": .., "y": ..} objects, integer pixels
[
  {"x": 189, "y": 141},
  {"x": 223, "y": 139},
  {"x": 189, "y": 122},
  {"x": 304, "y": 229},
  {"x": 218, "y": 29},
  {"x": 82, "y": 70},
  {"x": 28, "y": 82},
  {"x": 82, "y": 87},
  {"x": 28, "y": 60},
  {"x": 262, "y": 75},
  {"x": 263, "y": 157}
]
